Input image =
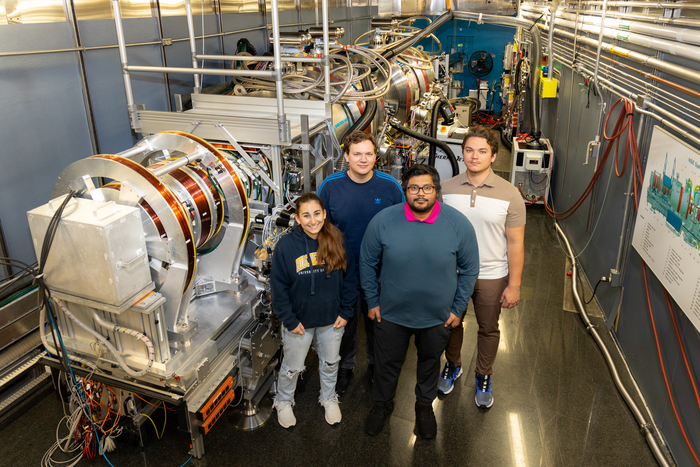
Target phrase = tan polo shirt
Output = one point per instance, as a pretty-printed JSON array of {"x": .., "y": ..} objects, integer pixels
[{"x": 490, "y": 207}]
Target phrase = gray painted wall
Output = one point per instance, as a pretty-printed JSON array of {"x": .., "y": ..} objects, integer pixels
[{"x": 569, "y": 116}]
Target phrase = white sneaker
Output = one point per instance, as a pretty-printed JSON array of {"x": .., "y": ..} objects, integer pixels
[
  {"x": 333, "y": 415},
  {"x": 285, "y": 414}
]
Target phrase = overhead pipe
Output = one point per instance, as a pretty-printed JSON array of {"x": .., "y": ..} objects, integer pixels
[
  {"x": 675, "y": 48},
  {"x": 423, "y": 33},
  {"x": 536, "y": 60},
  {"x": 432, "y": 141},
  {"x": 621, "y": 92},
  {"x": 553, "y": 7},
  {"x": 684, "y": 35},
  {"x": 193, "y": 45},
  {"x": 646, "y": 427},
  {"x": 131, "y": 107},
  {"x": 678, "y": 71},
  {"x": 670, "y": 6},
  {"x": 277, "y": 52},
  {"x": 639, "y": 17}
]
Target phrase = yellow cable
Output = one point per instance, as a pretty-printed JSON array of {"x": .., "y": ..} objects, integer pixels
[{"x": 154, "y": 425}]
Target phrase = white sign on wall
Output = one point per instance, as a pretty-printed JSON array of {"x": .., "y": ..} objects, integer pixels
[{"x": 667, "y": 232}]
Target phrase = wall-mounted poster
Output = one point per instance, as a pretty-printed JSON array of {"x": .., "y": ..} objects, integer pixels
[{"x": 667, "y": 232}]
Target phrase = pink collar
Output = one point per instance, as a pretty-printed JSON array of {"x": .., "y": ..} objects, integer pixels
[{"x": 431, "y": 218}]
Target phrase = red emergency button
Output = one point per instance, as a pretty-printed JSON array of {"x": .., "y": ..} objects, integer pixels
[{"x": 443, "y": 129}]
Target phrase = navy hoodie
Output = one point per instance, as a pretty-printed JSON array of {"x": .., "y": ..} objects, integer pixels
[{"x": 302, "y": 290}]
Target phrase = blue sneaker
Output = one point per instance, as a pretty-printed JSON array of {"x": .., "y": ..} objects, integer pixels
[
  {"x": 446, "y": 383},
  {"x": 483, "y": 397}
]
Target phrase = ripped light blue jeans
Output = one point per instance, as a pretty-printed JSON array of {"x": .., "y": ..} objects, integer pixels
[{"x": 296, "y": 348}]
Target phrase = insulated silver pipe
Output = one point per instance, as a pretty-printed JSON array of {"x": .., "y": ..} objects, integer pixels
[
  {"x": 550, "y": 60},
  {"x": 670, "y": 6},
  {"x": 277, "y": 52},
  {"x": 675, "y": 48},
  {"x": 125, "y": 64},
  {"x": 678, "y": 71},
  {"x": 203, "y": 71},
  {"x": 647, "y": 18},
  {"x": 326, "y": 64},
  {"x": 193, "y": 44},
  {"x": 249, "y": 58},
  {"x": 600, "y": 45},
  {"x": 176, "y": 164},
  {"x": 684, "y": 35},
  {"x": 646, "y": 427}
]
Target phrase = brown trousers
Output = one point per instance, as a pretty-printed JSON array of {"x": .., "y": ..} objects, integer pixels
[{"x": 487, "y": 307}]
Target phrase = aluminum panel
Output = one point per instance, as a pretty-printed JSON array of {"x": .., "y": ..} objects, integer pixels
[
  {"x": 285, "y": 5},
  {"x": 28, "y": 11},
  {"x": 249, "y": 6},
  {"x": 177, "y": 8},
  {"x": 497, "y": 7},
  {"x": 18, "y": 308},
  {"x": 3, "y": 18},
  {"x": 19, "y": 328},
  {"x": 102, "y": 9}
]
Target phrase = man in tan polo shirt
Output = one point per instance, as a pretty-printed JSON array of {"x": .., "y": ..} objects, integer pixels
[{"x": 497, "y": 212}]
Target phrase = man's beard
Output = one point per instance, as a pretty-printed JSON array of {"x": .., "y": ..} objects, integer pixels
[{"x": 419, "y": 209}]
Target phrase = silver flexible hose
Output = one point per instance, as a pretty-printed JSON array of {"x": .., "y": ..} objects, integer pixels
[{"x": 646, "y": 427}]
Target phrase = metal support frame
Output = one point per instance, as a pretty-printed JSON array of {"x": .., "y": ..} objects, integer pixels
[
  {"x": 131, "y": 107},
  {"x": 229, "y": 137},
  {"x": 305, "y": 153}
]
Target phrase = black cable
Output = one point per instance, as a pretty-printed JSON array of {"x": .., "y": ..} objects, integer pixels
[
  {"x": 586, "y": 302},
  {"x": 441, "y": 144}
]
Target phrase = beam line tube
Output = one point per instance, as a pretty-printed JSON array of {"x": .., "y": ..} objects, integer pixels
[
  {"x": 645, "y": 426},
  {"x": 204, "y": 71},
  {"x": 670, "y": 6},
  {"x": 122, "y": 55},
  {"x": 176, "y": 164},
  {"x": 249, "y": 58},
  {"x": 193, "y": 44}
]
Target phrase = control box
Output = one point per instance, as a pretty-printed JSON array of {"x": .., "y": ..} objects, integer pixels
[{"x": 531, "y": 170}]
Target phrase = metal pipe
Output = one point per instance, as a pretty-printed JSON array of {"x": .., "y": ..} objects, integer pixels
[
  {"x": 176, "y": 164},
  {"x": 326, "y": 64},
  {"x": 320, "y": 166},
  {"x": 641, "y": 420},
  {"x": 675, "y": 48},
  {"x": 647, "y": 18},
  {"x": 305, "y": 153},
  {"x": 683, "y": 35},
  {"x": 276, "y": 157},
  {"x": 625, "y": 210},
  {"x": 249, "y": 58},
  {"x": 620, "y": 92},
  {"x": 600, "y": 46},
  {"x": 277, "y": 53},
  {"x": 163, "y": 55},
  {"x": 138, "y": 149},
  {"x": 550, "y": 60},
  {"x": 131, "y": 107},
  {"x": 203, "y": 71},
  {"x": 678, "y": 71},
  {"x": 193, "y": 45},
  {"x": 671, "y": 6},
  {"x": 312, "y": 132}
]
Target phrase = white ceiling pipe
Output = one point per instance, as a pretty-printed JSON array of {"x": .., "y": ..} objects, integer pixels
[
  {"x": 670, "y": 6},
  {"x": 639, "y": 17},
  {"x": 678, "y": 71},
  {"x": 690, "y": 36},
  {"x": 675, "y": 48}
]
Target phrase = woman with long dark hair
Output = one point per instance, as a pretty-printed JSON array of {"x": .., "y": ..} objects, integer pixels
[{"x": 313, "y": 292}]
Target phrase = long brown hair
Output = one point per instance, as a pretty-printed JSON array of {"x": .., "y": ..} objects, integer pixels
[{"x": 330, "y": 240}]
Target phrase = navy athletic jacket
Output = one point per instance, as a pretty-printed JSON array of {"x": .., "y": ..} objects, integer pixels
[{"x": 302, "y": 290}]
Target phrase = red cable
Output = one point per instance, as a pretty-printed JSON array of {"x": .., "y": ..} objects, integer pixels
[
  {"x": 663, "y": 368},
  {"x": 685, "y": 358}
]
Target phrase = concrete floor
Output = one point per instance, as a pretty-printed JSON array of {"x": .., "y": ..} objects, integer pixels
[{"x": 555, "y": 403}]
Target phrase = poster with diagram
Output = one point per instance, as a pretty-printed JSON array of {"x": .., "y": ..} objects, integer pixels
[{"x": 667, "y": 232}]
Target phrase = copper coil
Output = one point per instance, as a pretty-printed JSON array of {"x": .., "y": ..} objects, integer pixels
[
  {"x": 174, "y": 204},
  {"x": 146, "y": 207},
  {"x": 200, "y": 200},
  {"x": 218, "y": 201},
  {"x": 232, "y": 173}
]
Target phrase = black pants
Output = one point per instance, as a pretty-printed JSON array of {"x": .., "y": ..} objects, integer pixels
[
  {"x": 348, "y": 347},
  {"x": 390, "y": 347}
]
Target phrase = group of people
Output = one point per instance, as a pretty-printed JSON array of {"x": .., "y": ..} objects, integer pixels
[{"x": 407, "y": 258}]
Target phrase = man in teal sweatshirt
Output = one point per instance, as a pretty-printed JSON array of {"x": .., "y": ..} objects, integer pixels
[{"x": 427, "y": 257}]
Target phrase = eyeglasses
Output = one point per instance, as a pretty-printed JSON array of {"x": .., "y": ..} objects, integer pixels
[{"x": 414, "y": 189}]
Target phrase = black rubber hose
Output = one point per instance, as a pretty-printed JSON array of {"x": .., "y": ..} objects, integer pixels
[
  {"x": 504, "y": 140},
  {"x": 433, "y": 128},
  {"x": 367, "y": 116},
  {"x": 441, "y": 144}
]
